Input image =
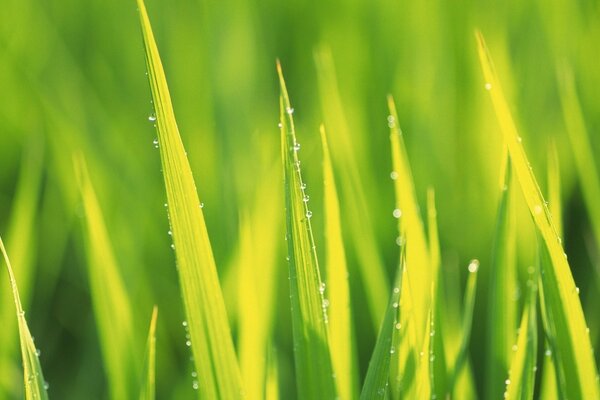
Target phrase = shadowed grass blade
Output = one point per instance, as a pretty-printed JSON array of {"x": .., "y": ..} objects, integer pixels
[
  {"x": 35, "y": 386},
  {"x": 272, "y": 381},
  {"x": 149, "y": 381},
  {"x": 501, "y": 300},
  {"x": 566, "y": 322},
  {"x": 314, "y": 373},
  {"x": 111, "y": 303},
  {"x": 210, "y": 336},
  {"x": 339, "y": 312}
]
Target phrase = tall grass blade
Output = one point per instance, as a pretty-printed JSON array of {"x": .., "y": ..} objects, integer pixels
[
  {"x": 149, "y": 381},
  {"x": 554, "y": 201},
  {"x": 210, "y": 336},
  {"x": 35, "y": 386},
  {"x": 339, "y": 313},
  {"x": 566, "y": 322},
  {"x": 502, "y": 285},
  {"x": 377, "y": 381},
  {"x": 272, "y": 381},
  {"x": 314, "y": 372},
  {"x": 110, "y": 300},
  {"x": 352, "y": 189}
]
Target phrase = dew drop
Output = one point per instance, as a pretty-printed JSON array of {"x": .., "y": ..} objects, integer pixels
[
  {"x": 392, "y": 350},
  {"x": 322, "y": 288},
  {"x": 152, "y": 118},
  {"x": 289, "y": 110},
  {"x": 391, "y": 121},
  {"x": 195, "y": 385},
  {"x": 185, "y": 324},
  {"x": 397, "y": 213},
  {"x": 280, "y": 125},
  {"x": 507, "y": 381},
  {"x": 394, "y": 175},
  {"x": 201, "y": 205},
  {"x": 519, "y": 139},
  {"x": 188, "y": 343},
  {"x": 296, "y": 146},
  {"x": 395, "y": 304},
  {"x": 46, "y": 385},
  {"x": 548, "y": 353},
  {"x": 308, "y": 214},
  {"x": 194, "y": 374},
  {"x": 38, "y": 352},
  {"x": 396, "y": 290},
  {"x": 473, "y": 266},
  {"x": 306, "y": 198},
  {"x": 515, "y": 347},
  {"x": 398, "y": 325},
  {"x": 170, "y": 233},
  {"x": 325, "y": 303},
  {"x": 488, "y": 86},
  {"x": 303, "y": 186},
  {"x": 155, "y": 143}
]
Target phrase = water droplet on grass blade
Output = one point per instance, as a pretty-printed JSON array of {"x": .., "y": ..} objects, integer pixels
[
  {"x": 394, "y": 175},
  {"x": 488, "y": 86},
  {"x": 397, "y": 213},
  {"x": 289, "y": 110},
  {"x": 473, "y": 266},
  {"x": 309, "y": 214}
]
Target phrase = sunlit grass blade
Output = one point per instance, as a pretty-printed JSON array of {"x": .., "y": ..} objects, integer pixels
[
  {"x": 149, "y": 373},
  {"x": 210, "y": 336},
  {"x": 554, "y": 197},
  {"x": 521, "y": 377},
  {"x": 110, "y": 300},
  {"x": 345, "y": 159},
  {"x": 377, "y": 381},
  {"x": 419, "y": 271},
  {"x": 563, "y": 306},
  {"x": 272, "y": 379},
  {"x": 35, "y": 386},
  {"x": 582, "y": 147},
  {"x": 339, "y": 313},
  {"x": 502, "y": 286},
  {"x": 467, "y": 323},
  {"x": 314, "y": 372},
  {"x": 439, "y": 368}
]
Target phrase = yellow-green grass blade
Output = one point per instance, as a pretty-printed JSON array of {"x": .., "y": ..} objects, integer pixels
[
  {"x": 21, "y": 244},
  {"x": 272, "y": 379},
  {"x": 377, "y": 381},
  {"x": 502, "y": 286},
  {"x": 210, "y": 336},
  {"x": 110, "y": 300},
  {"x": 314, "y": 372},
  {"x": 521, "y": 377},
  {"x": 419, "y": 272},
  {"x": 439, "y": 369},
  {"x": 35, "y": 386},
  {"x": 352, "y": 189},
  {"x": 338, "y": 290},
  {"x": 554, "y": 199},
  {"x": 583, "y": 155},
  {"x": 149, "y": 373},
  {"x": 574, "y": 355},
  {"x": 467, "y": 323},
  {"x": 424, "y": 374},
  {"x": 548, "y": 388}
]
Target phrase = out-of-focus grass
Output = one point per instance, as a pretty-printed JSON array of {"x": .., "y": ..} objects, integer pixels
[{"x": 72, "y": 76}]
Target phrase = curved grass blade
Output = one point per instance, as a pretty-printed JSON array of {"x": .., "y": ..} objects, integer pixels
[
  {"x": 314, "y": 372},
  {"x": 35, "y": 386},
  {"x": 345, "y": 160},
  {"x": 502, "y": 306},
  {"x": 149, "y": 382},
  {"x": 210, "y": 336},
  {"x": 567, "y": 322},
  {"x": 112, "y": 307},
  {"x": 339, "y": 313},
  {"x": 419, "y": 271},
  {"x": 467, "y": 323},
  {"x": 377, "y": 381}
]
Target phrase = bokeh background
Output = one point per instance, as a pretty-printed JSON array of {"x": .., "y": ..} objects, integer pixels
[{"x": 72, "y": 78}]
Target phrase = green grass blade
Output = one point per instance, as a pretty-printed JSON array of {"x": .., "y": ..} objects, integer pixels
[
  {"x": 376, "y": 385},
  {"x": 419, "y": 271},
  {"x": 563, "y": 306},
  {"x": 352, "y": 189},
  {"x": 339, "y": 313},
  {"x": 521, "y": 378},
  {"x": 210, "y": 336},
  {"x": 501, "y": 300},
  {"x": 314, "y": 372},
  {"x": 35, "y": 386},
  {"x": 272, "y": 379},
  {"x": 149, "y": 382},
  {"x": 467, "y": 323},
  {"x": 554, "y": 201},
  {"x": 583, "y": 155},
  {"x": 111, "y": 303}
]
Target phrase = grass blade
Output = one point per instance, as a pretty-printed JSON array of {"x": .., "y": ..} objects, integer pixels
[
  {"x": 567, "y": 322},
  {"x": 272, "y": 381},
  {"x": 35, "y": 386},
  {"x": 149, "y": 382},
  {"x": 376, "y": 384},
  {"x": 554, "y": 202},
  {"x": 314, "y": 372},
  {"x": 212, "y": 346},
  {"x": 339, "y": 313},
  {"x": 112, "y": 308},
  {"x": 501, "y": 302}
]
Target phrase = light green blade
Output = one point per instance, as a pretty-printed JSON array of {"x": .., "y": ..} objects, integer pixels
[
  {"x": 272, "y": 378},
  {"x": 149, "y": 377},
  {"x": 523, "y": 367},
  {"x": 502, "y": 286},
  {"x": 35, "y": 386},
  {"x": 377, "y": 381},
  {"x": 210, "y": 336},
  {"x": 344, "y": 159},
  {"x": 338, "y": 289},
  {"x": 565, "y": 315},
  {"x": 314, "y": 372},
  {"x": 111, "y": 303}
]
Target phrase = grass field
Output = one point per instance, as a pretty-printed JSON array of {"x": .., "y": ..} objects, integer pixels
[{"x": 302, "y": 199}]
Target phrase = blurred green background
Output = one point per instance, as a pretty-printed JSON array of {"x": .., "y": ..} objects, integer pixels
[{"x": 72, "y": 78}]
